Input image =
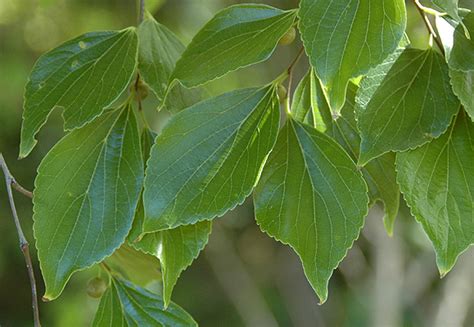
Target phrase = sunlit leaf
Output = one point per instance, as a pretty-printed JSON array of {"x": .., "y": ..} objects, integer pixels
[
  {"x": 344, "y": 39},
  {"x": 84, "y": 76},
  {"x": 235, "y": 37},
  {"x": 208, "y": 158},
  {"x": 403, "y": 103},
  {"x": 85, "y": 196},
  {"x": 437, "y": 181},
  {"x": 312, "y": 197}
]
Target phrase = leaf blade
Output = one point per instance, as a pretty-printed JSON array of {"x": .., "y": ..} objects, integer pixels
[
  {"x": 159, "y": 50},
  {"x": 128, "y": 305},
  {"x": 355, "y": 35},
  {"x": 87, "y": 184},
  {"x": 437, "y": 183},
  {"x": 83, "y": 75},
  {"x": 240, "y": 29},
  {"x": 208, "y": 158},
  {"x": 380, "y": 173},
  {"x": 408, "y": 106},
  {"x": 280, "y": 213}
]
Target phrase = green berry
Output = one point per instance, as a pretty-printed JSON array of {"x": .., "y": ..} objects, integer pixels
[
  {"x": 96, "y": 287},
  {"x": 289, "y": 37}
]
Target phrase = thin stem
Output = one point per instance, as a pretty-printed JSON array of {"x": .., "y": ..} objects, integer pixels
[
  {"x": 428, "y": 25},
  {"x": 20, "y": 188},
  {"x": 24, "y": 246},
  {"x": 141, "y": 11},
  {"x": 289, "y": 70}
]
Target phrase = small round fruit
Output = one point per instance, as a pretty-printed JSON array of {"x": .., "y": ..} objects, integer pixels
[
  {"x": 96, "y": 287},
  {"x": 142, "y": 90},
  {"x": 289, "y": 37},
  {"x": 282, "y": 93}
]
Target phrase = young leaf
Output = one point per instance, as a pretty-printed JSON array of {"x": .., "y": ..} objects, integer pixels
[
  {"x": 404, "y": 103},
  {"x": 125, "y": 304},
  {"x": 83, "y": 75},
  {"x": 344, "y": 39},
  {"x": 379, "y": 173},
  {"x": 235, "y": 37},
  {"x": 159, "y": 49},
  {"x": 175, "y": 248},
  {"x": 462, "y": 53},
  {"x": 437, "y": 181},
  {"x": 209, "y": 157},
  {"x": 312, "y": 197},
  {"x": 85, "y": 196}
]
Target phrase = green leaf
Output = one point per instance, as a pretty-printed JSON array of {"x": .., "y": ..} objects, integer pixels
[
  {"x": 380, "y": 173},
  {"x": 125, "y": 304},
  {"x": 461, "y": 81},
  {"x": 159, "y": 49},
  {"x": 403, "y": 103},
  {"x": 462, "y": 53},
  {"x": 83, "y": 76},
  {"x": 175, "y": 248},
  {"x": 235, "y": 37},
  {"x": 110, "y": 311},
  {"x": 312, "y": 197},
  {"x": 140, "y": 268},
  {"x": 450, "y": 7},
  {"x": 344, "y": 39},
  {"x": 86, "y": 192},
  {"x": 301, "y": 103},
  {"x": 437, "y": 181},
  {"x": 463, "y": 87},
  {"x": 208, "y": 158}
]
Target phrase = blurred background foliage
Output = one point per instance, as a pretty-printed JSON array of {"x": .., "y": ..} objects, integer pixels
[{"x": 243, "y": 278}]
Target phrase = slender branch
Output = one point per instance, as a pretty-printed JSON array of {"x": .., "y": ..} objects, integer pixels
[
  {"x": 428, "y": 25},
  {"x": 24, "y": 246}
]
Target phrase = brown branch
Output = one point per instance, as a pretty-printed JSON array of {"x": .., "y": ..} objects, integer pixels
[
  {"x": 24, "y": 246},
  {"x": 430, "y": 27}
]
